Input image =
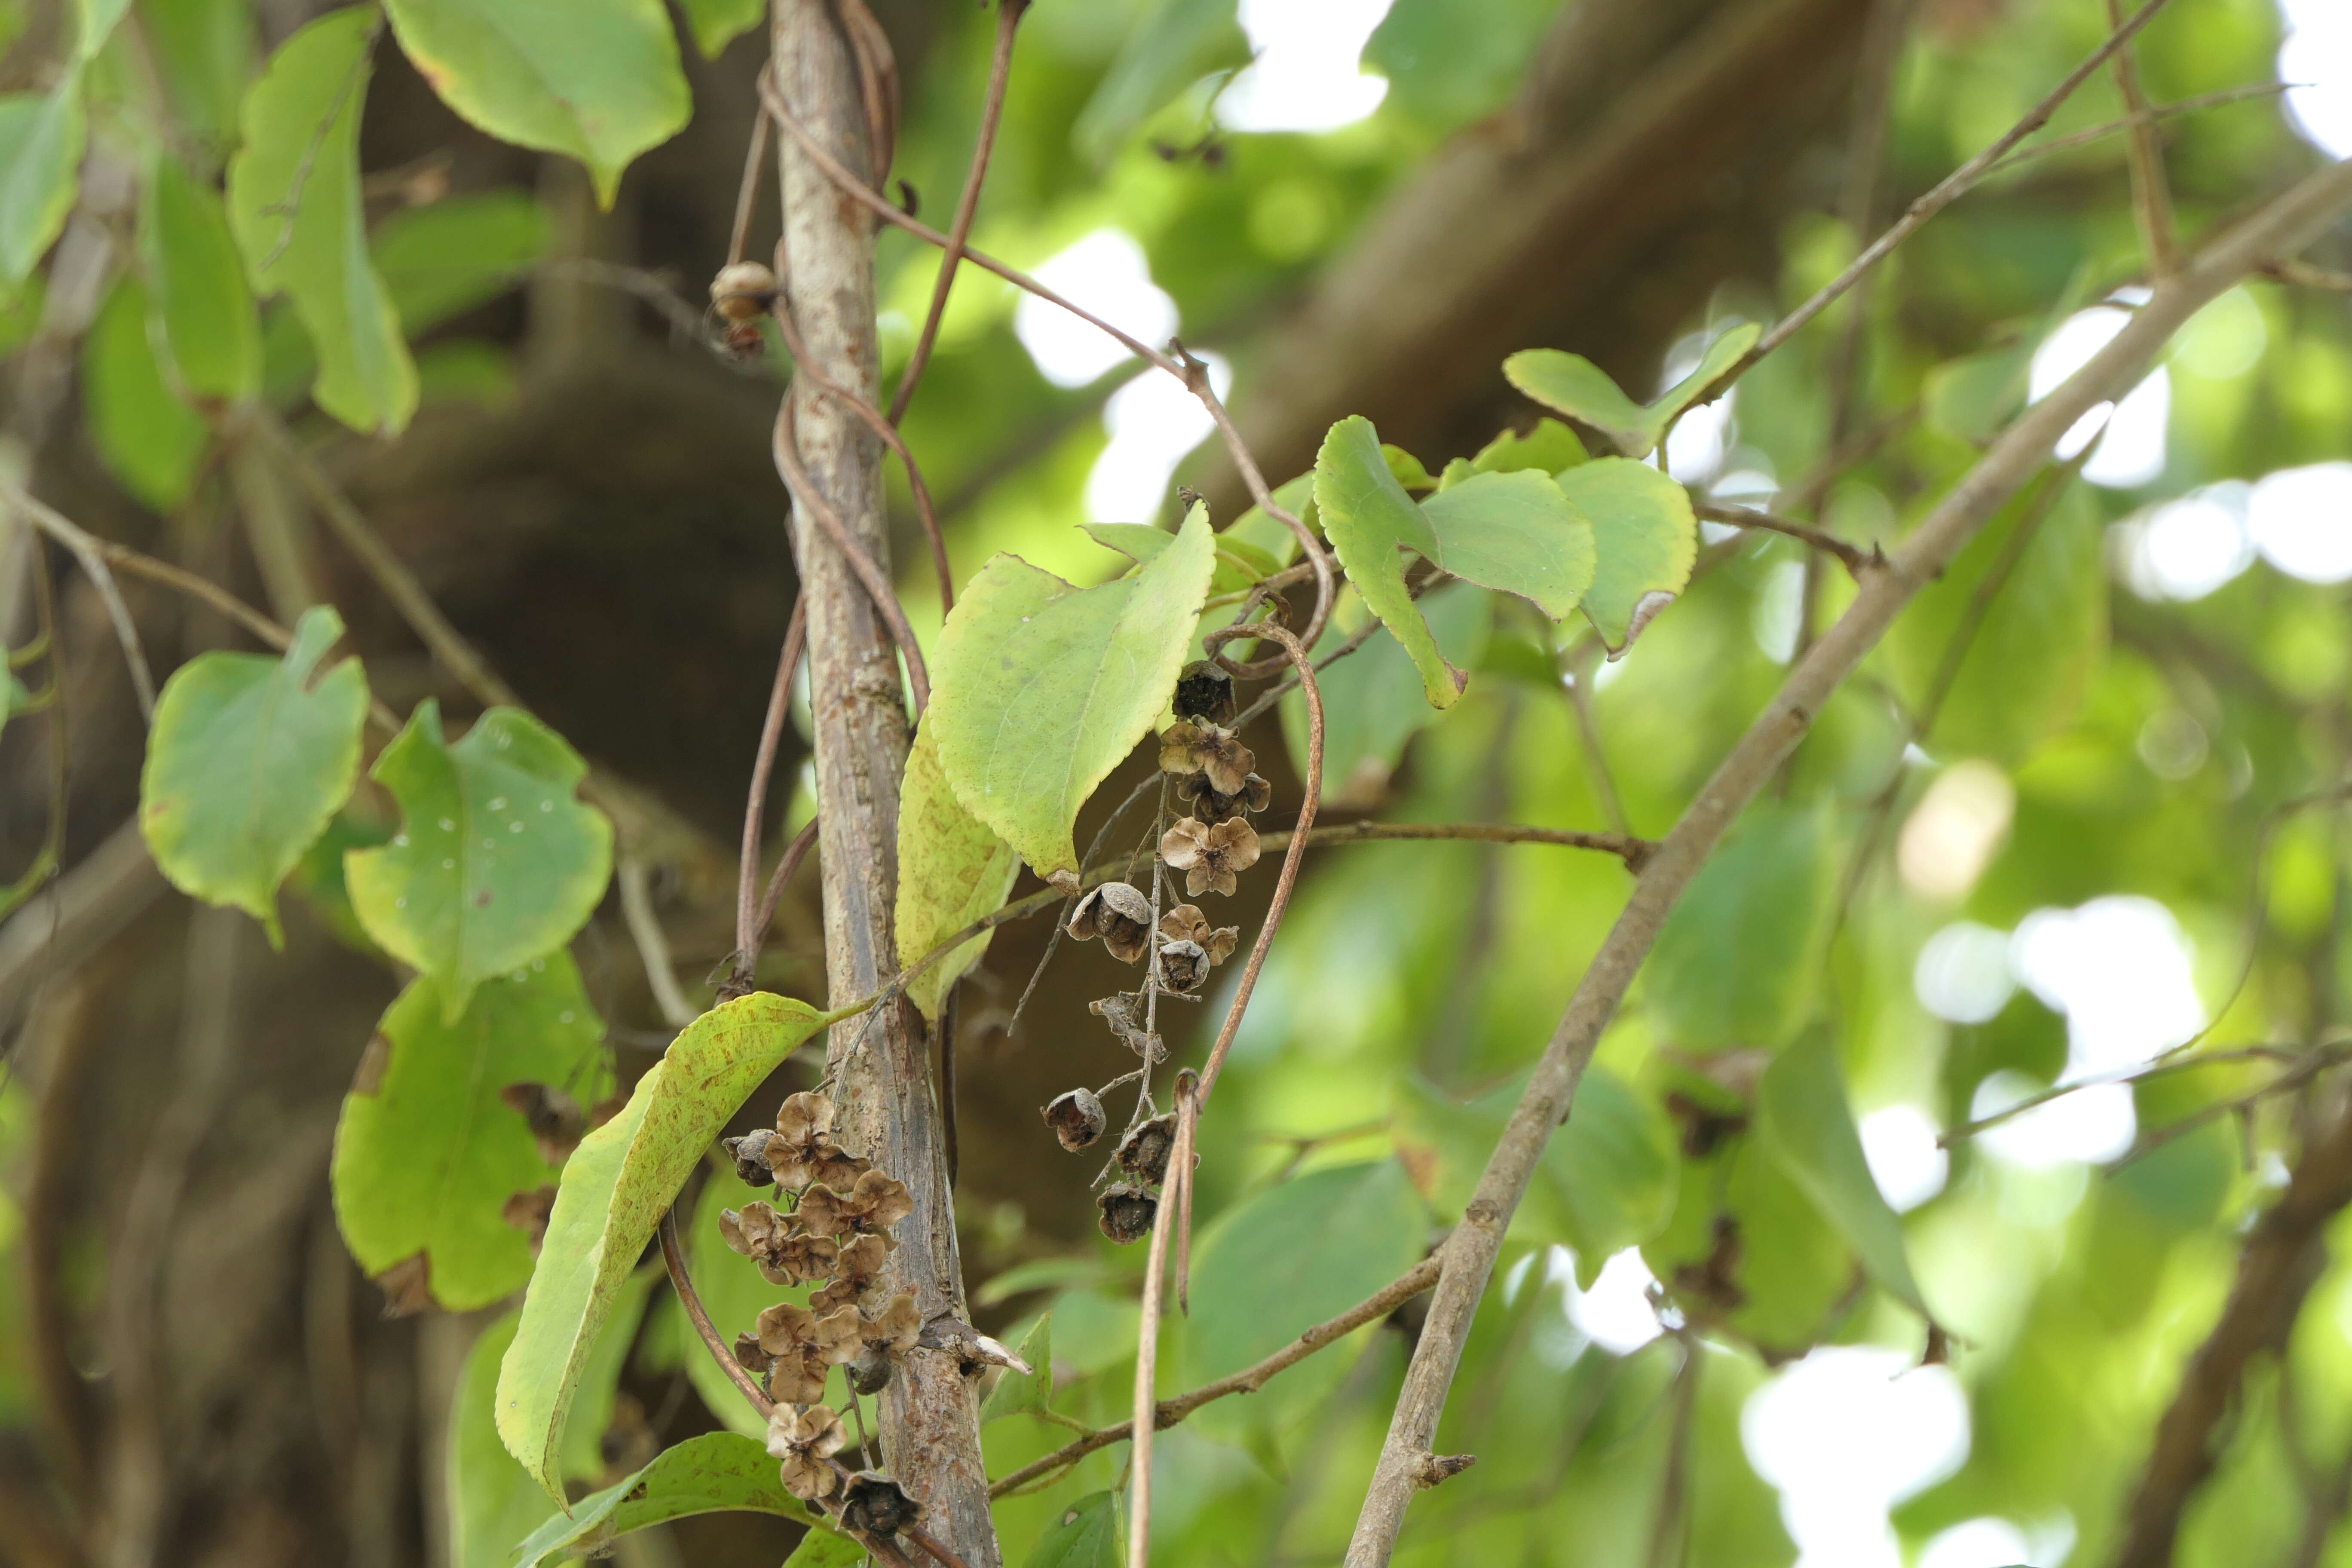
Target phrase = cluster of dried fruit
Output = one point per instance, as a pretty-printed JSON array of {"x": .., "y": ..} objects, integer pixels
[
  {"x": 833, "y": 1232},
  {"x": 1214, "y": 776}
]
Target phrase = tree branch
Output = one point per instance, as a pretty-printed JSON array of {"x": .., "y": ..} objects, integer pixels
[
  {"x": 2286, "y": 225},
  {"x": 1856, "y": 559}
]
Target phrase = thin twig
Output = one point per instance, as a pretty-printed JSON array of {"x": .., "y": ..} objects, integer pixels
[
  {"x": 1147, "y": 1349},
  {"x": 93, "y": 554},
  {"x": 652, "y": 943},
  {"x": 991, "y": 111},
  {"x": 747, "y": 929},
  {"x": 1249, "y": 1380},
  {"x": 2159, "y": 1068},
  {"x": 1312, "y": 786},
  {"x": 1952, "y": 187},
  {"x": 1855, "y": 559},
  {"x": 2305, "y": 275},
  {"x": 874, "y": 201},
  {"x": 2151, "y": 197},
  {"x": 794, "y": 853},
  {"x": 755, "y": 153},
  {"x": 2084, "y": 138},
  {"x": 2288, "y": 224},
  {"x": 1584, "y": 663}
]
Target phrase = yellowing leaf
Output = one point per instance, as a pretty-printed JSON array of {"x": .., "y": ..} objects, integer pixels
[
  {"x": 614, "y": 1189},
  {"x": 296, "y": 206},
  {"x": 953, "y": 870},
  {"x": 496, "y": 863},
  {"x": 1041, "y": 688},
  {"x": 596, "y": 79},
  {"x": 1645, "y": 537},
  {"x": 1582, "y": 390},
  {"x": 248, "y": 761}
]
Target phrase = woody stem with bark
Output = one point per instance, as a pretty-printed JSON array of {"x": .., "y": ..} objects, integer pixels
[
  {"x": 887, "y": 1110},
  {"x": 2286, "y": 225}
]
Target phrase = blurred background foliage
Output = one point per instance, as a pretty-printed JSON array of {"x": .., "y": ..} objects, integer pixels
[{"x": 2055, "y": 827}]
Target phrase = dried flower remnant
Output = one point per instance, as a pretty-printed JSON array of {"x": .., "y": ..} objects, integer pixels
[
  {"x": 851, "y": 1337},
  {"x": 1076, "y": 1118},
  {"x": 1118, "y": 914},
  {"x": 1210, "y": 804},
  {"x": 1210, "y": 856},
  {"x": 869, "y": 1208},
  {"x": 1127, "y": 1212},
  {"x": 1185, "y": 922},
  {"x": 1215, "y": 753},
  {"x": 796, "y": 1362},
  {"x": 787, "y": 1252},
  {"x": 873, "y": 1504},
  {"x": 802, "y": 1151},
  {"x": 802, "y": 1440},
  {"x": 749, "y": 1153},
  {"x": 1119, "y": 1012},
  {"x": 855, "y": 1270},
  {"x": 1204, "y": 690}
]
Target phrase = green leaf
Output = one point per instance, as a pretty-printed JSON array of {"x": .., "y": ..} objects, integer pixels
[
  {"x": 1174, "y": 45},
  {"x": 1367, "y": 516},
  {"x": 204, "y": 51},
  {"x": 822, "y": 1549},
  {"x": 1606, "y": 1181},
  {"x": 1646, "y": 538},
  {"x": 295, "y": 203},
  {"x": 596, "y": 79},
  {"x": 1582, "y": 390},
  {"x": 1809, "y": 1125},
  {"x": 1139, "y": 541},
  {"x": 1040, "y": 689},
  {"x": 493, "y": 1501},
  {"x": 1294, "y": 1255},
  {"x": 581, "y": 1456},
  {"x": 249, "y": 759},
  {"x": 1739, "y": 960},
  {"x": 614, "y": 1189},
  {"x": 2029, "y": 664},
  {"x": 202, "y": 317},
  {"x": 1551, "y": 446},
  {"x": 717, "y": 23},
  {"x": 149, "y": 440},
  {"x": 98, "y": 19},
  {"x": 1408, "y": 469},
  {"x": 734, "y": 1293},
  {"x": 1372, "y": 702},
  {"x": 1972, "y": 397},
  {"x": 1259, "y": 528},
  {"x": 318, "y": 879},
  {"x": 496, "y": 862},
  {"x": 1516, "y": 532},
  {"x": 40, "y": 164},
  {"x": 1017, "y": 1391},
  {"x": 439, "y": 260},
  {"x": 951, "y": 871},
  {"x": 717, "y": 1472},
  {"x": 1086, "y": 1534},
  {"x": 428, "y": 1152}
]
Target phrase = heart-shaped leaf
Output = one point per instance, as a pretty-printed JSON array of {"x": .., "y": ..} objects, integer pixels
[
  {"x": 719, "y": 1471},
  {"x": 296, "y": 204},
  {"x": 597, "y": 79},
  {"x": 429, "y": 1151},
  {"x": 496, "y": 862},
  {"x": 1582, "y": 390},
  {"x": 953, "y": 870},
  {"x": 614, "y": 1189},
  {"x": 1040, "y": 689},
  {"x": 1515, "y": 531},
  {"x": 1645, "y": 539},
  {"x": 248, "y": 761}
]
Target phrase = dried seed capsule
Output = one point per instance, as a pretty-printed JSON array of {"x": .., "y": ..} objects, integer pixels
[
  {"x": 1118, "y": 914},
  {"x": 1183, "y": 966},
  {"x": 749, "y": 1153},
  {"x": 1143, "y": 1152},
  {"x": 1128, "y": 1212},
  {"x": 873, "y": 1504},
  {"x": 870, "y": 1372},
  {"x": 743, "y": 292},
  {"x": 1076, "y": 1118},
  {"x": 1209, "y": 805},
  {"x": 1204, "y": 690}
]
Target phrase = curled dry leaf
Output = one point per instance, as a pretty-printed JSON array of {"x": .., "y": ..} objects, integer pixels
[
  {"x": 1211, "y": 856},
  {"x": 1204, "y": 690},
  {"x": 1076, "y": 1118},
  {"x": 802, "y": 1440},
  {"x": 1211, "y": 804},
  {"x": 1213, "y": 752},
  {"x": 1118, "y": 914},
  {"x": 1120, "y": 1012},
  {"x": 1127, "y": 1212}
]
